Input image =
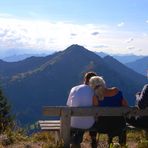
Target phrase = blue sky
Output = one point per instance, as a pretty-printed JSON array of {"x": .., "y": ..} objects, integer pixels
[{"x": 42, "y": 26}]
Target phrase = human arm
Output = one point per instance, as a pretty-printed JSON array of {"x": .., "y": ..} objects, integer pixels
[
  {"x": 95, "y": 101},
  {"x": 69, "y": 100},
  {"x": 124, "y": 102},
  {"x": 68, "y": 103}
]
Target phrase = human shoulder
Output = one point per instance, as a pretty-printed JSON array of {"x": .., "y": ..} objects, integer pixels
[
  {"x": 115, "y": 90},
  {"x": 78, "y": 87},
  {"x": 112, "y": 91}
]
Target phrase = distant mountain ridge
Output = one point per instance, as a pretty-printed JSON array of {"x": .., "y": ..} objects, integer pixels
[
  {"x": 127, "y": 58},
  {"x": 41, "y": 81},
  {"x": 20, "y": 57},
  {"x": 123, "y": 58},
  {"x": 140, "y": 66}
]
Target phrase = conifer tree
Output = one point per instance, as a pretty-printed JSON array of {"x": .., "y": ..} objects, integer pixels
[{"x": 5, "y": 117}]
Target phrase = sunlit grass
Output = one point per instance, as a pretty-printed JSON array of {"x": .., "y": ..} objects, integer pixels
[
  {"x": 49, "y": 139},
  {"x": 143, "y": 144}
]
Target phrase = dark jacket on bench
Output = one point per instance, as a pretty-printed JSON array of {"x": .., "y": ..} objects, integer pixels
[
  {"x": 142, "y": 99},
  {"x": 141, "y": 103}
]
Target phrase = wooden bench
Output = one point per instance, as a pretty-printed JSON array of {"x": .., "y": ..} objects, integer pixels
[
  {"x": 55, "y": 125},
  {"x": 65, "y": 113},
  {"x": 51, "y": 125}
]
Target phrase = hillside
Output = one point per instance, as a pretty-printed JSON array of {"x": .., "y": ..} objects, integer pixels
[
  {"x": 36, "y": 82},
  {"x": 12, "y": 68},
  {"x": 140, "y": 66}
]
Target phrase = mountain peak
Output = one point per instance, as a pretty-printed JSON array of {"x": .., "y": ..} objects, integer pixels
[
  {"x": 109, "y": 57},
  {"x": 75, "y": 48}
]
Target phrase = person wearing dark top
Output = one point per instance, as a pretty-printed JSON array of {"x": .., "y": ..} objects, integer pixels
[
  {"x": 112, "y": 101},
  {"x": 141, "y": 103},
  {"x": 112, "y": 97}
]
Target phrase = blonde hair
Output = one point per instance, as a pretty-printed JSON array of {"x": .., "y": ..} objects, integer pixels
[{"x": 97, "y": 83}]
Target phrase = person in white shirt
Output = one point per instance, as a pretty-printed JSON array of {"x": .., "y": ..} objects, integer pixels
[{"x": 81, "y": 96}]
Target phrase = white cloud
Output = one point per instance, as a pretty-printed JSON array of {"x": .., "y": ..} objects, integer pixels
[
  {"x": 130, "y": 40},
  {"x": 43, "y": 36},
  {"x": 95, "y": 33},
  {"x": 131, "y": 48},
  {"x": 121, "y": 24},
  {"x": 100, "y": 46},
  {"x": 5, "y": 15},
  {"x": 145, "y": 34},
  {"x": 146, "y": 21}
]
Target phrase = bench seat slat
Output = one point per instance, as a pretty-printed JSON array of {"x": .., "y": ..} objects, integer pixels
[
  {"x": 50, "y": 125},
  {"x": 51, "y": 128},
  {"x": 49, "y": 121}
]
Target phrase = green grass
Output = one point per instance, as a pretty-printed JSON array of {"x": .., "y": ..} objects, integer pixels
[
  {"x": 47, "y": 139},
  {"x": 143, "y": 144},
  {"x": 137, "y": 135}
]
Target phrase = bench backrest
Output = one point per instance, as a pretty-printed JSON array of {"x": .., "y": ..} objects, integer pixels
[
  {"x": 66, "y": 112},
  {"x": 94, "y": 111}
]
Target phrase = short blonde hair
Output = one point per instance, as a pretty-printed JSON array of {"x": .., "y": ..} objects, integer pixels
[{"x": 97, "y": 83}]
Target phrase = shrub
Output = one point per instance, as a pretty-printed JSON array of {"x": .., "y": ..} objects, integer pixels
[{"x": 6, "y": 119}]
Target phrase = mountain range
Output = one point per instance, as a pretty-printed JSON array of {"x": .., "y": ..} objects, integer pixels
[
  {"x": 127, "y": 58},
  {"x": 35, "y": 82},
  {"x": 123, "y": 58},
  {"x": 137, "y": 63},
  {"x": 20, "y": 57},
  {"x": 140, "y": 65}
]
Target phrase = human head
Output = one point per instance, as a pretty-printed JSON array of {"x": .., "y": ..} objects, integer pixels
[
  {"x": 88, "y": 75},
  {"x": 98, "y": 85}
]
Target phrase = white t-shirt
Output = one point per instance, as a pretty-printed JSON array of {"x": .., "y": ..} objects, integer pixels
[{"x": 80, "y": 96}]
